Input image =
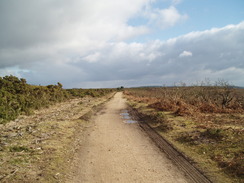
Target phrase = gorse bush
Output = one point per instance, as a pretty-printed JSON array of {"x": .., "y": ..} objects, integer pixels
[
  {"x": 77, "y": 92},
  {"x": 17, "y": 97}
]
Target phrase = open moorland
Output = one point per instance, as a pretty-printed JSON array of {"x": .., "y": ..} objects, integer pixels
[
  {"x": 51, "y": 134},
  {"x": 204, "y": 122}
]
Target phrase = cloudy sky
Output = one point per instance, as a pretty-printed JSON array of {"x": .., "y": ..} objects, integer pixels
[{"x": 111, "y": 43}]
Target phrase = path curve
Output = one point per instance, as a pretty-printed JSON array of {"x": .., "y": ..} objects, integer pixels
[{"x": 114, "y": 151}]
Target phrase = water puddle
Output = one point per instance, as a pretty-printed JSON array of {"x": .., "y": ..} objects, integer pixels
[{"x": 126, "y": 117}]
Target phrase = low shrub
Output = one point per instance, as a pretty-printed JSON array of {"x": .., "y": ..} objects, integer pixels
[{"x": 17, "y": 97}]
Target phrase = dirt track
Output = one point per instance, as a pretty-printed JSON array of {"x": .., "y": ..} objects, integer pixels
[{"x": 114, "y": 151}]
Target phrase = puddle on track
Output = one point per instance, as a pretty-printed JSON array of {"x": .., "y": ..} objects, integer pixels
[{"x": 126, "y": 117}]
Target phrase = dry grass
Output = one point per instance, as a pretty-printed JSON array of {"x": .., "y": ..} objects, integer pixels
[
  {"x": 39, "y": 148},
  {"x": 212, "y": 138}
]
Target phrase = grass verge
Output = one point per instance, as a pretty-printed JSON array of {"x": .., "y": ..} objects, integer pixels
[
  {"x": 40, "y": 147},
  {"x": 217, "y": 150}
]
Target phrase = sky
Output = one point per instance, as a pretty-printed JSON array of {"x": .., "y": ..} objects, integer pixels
[{"x": 113, "y": 43}]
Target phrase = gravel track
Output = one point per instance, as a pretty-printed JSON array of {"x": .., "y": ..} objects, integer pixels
[{"x": 114, "y": 151}]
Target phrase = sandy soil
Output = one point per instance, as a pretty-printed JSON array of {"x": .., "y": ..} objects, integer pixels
[{"x": 115, "y": 151}]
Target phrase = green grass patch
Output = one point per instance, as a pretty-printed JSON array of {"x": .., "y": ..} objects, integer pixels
[{"x": 19, "y": 149}]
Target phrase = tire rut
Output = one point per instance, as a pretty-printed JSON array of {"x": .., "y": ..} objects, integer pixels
[{"x": 192, "y": 172}]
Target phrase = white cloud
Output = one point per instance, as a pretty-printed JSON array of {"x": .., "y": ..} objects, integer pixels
[
  {"x": 93, "y": 57},
  {"x": 169, "y": 17},
  {"x": 165, "y": 18},
  {"x": 217, "y": 54},
  {"x": 83, "y": 43},
  {"x": 186, "y": 54},
  {"x": 63, "y": 27}
]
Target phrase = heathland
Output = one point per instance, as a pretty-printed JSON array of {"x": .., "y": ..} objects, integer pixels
[
  {"x": 43, "y": 127},
  {"x": 204, "y": 122}
]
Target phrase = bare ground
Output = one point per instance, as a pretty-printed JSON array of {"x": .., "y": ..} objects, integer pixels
[{"x": 114, "y": 151}]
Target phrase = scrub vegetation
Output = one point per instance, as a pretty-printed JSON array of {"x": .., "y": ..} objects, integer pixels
[
  {"x": 17, "y": 97},
  {"x": 77, "y": 92},
  {"x": 40, "y": 146},
  {"x": 205, "y": 122}
]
